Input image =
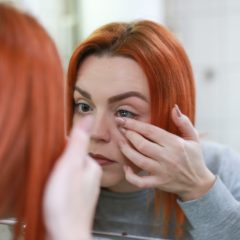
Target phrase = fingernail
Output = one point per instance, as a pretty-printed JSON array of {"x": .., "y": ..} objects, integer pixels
[
  {"x": 86, "y": 123},
  {"x": 179, "y": 114},
  {"x": 120, "y": 121}
]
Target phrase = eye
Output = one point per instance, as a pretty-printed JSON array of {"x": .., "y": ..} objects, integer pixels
[
  {"x": 125, "y": 114},
  {"x": 82, "y": 107}
]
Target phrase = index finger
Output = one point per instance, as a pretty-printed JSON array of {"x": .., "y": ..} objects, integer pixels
[
  {"x": 76, "y": 149},
  {"x": 147, "y": 130}
]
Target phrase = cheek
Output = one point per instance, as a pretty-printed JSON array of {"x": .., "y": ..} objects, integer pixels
[
  {"x": 75, "y": 118},
  {"x": 117, "y": 136},
  {"x": 112, "y": 176}
]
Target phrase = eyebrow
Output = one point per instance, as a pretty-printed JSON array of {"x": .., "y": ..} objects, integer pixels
[
  {"x": 83, "y": 93},
  {"x": 116, "y": 98}
]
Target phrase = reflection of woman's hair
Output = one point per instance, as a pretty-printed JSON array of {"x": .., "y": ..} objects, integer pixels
[
  {"x": 31, "y": 117},
  {"x": 166, "y": 66}
]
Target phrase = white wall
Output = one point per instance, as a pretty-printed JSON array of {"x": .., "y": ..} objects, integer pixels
[
  {"x": 210, "y": 33},
  {"x": 94, "y": 13},
  {"x": 59, "y": 22},
  {"x": 69, "y": 21}
]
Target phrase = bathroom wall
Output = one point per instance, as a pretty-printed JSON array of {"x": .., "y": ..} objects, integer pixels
[{"x": 209, "y": 30}]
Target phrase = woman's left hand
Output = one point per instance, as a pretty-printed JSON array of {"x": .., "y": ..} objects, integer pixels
[{"x": 174, "y": 164}]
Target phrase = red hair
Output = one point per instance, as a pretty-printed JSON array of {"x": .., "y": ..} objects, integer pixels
[
  {"x": 31, "y": 117},
  {"x": 169, "y": 75}
]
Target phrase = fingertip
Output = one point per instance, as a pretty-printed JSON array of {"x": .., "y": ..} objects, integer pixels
[
  {"x": 127, "y": 169},
  {"x": 82, "y": 127},
  {"x": 184, "y": 124},
  {"x": 85, "y": 124},
  {"x": 177, "y": 111},
  {"x": 79, "y": 138},
  {"x": 127, "y": 172},
  {"x": 120, "y": 121},
  {"x": 177, "y": 115}
]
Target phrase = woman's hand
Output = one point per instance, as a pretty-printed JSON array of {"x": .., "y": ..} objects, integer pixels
[
  {"x": 72, "y": 189},
  {"x": 174, "y": 164}
]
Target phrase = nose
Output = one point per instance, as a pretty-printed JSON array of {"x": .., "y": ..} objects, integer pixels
[{"x": 101, "y": 130}]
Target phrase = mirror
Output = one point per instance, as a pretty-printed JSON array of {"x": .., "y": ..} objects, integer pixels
[{"x": 207, "y": 29}]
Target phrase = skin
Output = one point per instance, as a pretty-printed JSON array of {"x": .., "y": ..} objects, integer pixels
[
  {"x": 114, "y": 76},
  {"x": 172, "y": 163},
  {"x": 72, "y": 189}
]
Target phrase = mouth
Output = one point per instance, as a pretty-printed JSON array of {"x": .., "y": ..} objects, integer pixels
[{"x": 102, "y": 160}]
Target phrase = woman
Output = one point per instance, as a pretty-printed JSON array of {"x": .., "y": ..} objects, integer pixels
[
  {"x": 129, "y": 76},
  {"x": 32, "y": 138}
]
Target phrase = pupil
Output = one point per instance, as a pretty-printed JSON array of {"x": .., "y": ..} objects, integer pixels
[
  {"x": 85, "y": 108},
  {"x": 124, "y": 113}
]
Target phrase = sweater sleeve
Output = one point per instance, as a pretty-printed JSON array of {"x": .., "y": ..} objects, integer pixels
[{"x": 216, "y": 215}]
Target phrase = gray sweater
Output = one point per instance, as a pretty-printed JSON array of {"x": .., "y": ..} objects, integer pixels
[{"x": 215, "y": 216}]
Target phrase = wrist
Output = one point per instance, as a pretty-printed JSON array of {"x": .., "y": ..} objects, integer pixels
[{"x": 198, "y": 190}]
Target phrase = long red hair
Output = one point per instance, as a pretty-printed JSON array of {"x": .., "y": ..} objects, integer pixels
[
  {"x": 169, "y": 75},
  {"x": 31, "y": 117}
]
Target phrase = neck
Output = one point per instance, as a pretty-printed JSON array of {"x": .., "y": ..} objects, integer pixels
[{"x": 124, "y": 186}]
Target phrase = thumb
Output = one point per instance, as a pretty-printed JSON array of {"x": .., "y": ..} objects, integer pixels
[{"x": 184, "y": 124}]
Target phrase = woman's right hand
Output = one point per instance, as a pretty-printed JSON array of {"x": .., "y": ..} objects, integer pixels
[{"x": 72, "y": 189}]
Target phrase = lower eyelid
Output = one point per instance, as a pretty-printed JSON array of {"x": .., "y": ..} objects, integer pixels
[{"x": 132, "y": 114}]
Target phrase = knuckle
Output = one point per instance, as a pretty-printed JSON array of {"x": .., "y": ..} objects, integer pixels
[
  {"x": 142, "y": 184},
  {"x": 149, "y": 131},
  {"x": 141, "y": 146},
  {"x": 149, "y": 166},
  {"x": 141, "y": 162}
]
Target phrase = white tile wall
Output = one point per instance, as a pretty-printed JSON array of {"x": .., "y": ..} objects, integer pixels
[
  {"x": 94, "y": 13},
  {"x": 210, "y": 32}
]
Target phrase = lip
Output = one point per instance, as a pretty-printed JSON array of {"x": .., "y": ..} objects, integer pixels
[{"x": 101, "y": 159}]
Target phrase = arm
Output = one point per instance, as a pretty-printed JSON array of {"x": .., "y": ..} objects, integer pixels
[{"x": 222, "y": 217}]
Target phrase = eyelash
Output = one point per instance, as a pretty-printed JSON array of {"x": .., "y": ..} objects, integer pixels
[
  {"x": 78, "y": 109},
  {"x": 119, "y": 113}
]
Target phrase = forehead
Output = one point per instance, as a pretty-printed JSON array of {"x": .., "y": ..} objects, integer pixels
[{"x": 113, "y": 74}]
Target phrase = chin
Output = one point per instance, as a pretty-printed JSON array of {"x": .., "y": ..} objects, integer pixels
[{"x": 111, "y": 179}]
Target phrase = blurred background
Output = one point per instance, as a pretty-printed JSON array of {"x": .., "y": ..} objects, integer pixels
[{"x": 209, "y": 31}]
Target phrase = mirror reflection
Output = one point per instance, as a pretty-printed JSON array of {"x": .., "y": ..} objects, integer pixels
[
  {"x": 160, "y": 178},
  {"x": 207, "y": 30}
]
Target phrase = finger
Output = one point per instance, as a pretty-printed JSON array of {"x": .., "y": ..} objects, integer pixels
[
  {"x": 140, "y": 181},
  {"x": 144, "y": 146},
  {"x": 76, "y": 149},
  {"x": 147, "y": 130},
  {"x": 184, "y": 124},
  {"x": 94, "y": 168},
  {"x": 138, "y": 159}
]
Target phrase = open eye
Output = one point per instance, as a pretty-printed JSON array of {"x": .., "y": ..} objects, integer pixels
[
  {"x": 125, "y": 113},
  {"x": 82, "y": 107}
]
